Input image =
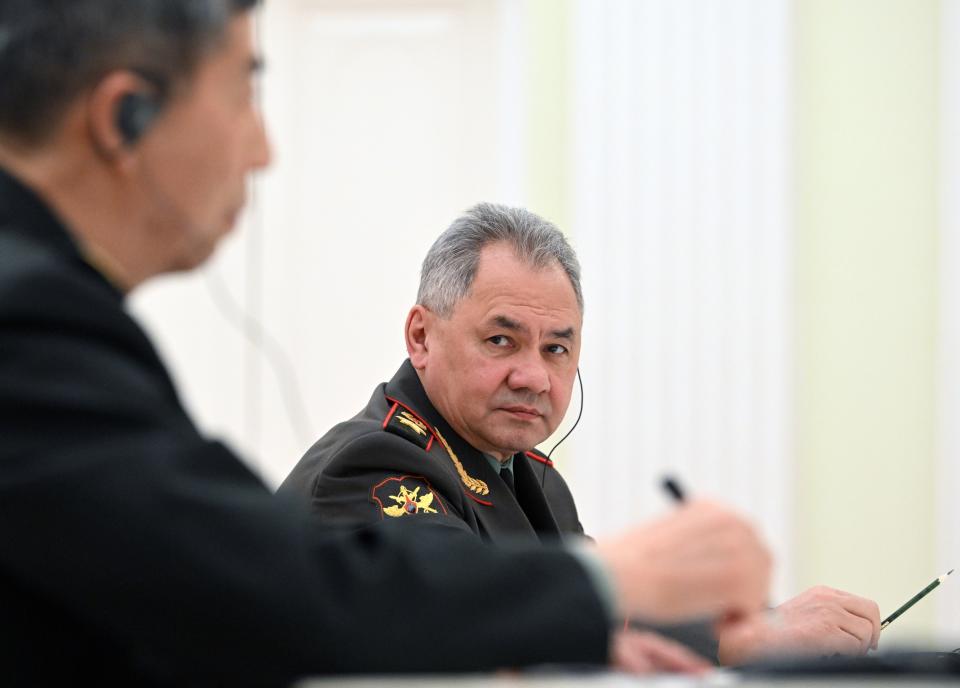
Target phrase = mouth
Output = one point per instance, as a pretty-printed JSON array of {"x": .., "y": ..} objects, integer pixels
[{"x": 522, "y": 412}]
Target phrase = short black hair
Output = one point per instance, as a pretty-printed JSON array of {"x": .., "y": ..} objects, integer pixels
[{"x": 53, "y": 50}]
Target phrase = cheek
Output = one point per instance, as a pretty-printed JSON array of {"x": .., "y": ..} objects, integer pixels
[
  {"x": 216, "y": 149},
  {"x": 561, "y": 391},
  {"x": 220, "y": 164},
  {"x": 488, "y": 379},
  {"x": 199, "y": 173}
]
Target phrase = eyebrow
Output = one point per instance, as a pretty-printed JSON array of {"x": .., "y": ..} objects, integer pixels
[{"x": 512, "y": 325}]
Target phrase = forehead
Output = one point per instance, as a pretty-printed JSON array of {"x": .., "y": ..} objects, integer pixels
[{"x": 507, "y": 286}]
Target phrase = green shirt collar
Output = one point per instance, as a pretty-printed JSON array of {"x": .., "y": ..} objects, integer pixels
[{"x": 496, "y": 465}]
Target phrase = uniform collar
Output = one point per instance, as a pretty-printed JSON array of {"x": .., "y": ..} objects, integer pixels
[
  {"x": 405, "y": 387},
  {"x": 499, "y": 511},
  {"x": 498, "y": 465}
]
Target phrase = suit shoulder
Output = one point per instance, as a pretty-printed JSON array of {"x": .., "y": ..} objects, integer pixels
[
  {"x": 360, "y": 446},
  {"x": 355, "y": 474},
  {"x": 362, "y": 442},
  {"x": 40, "y": 285}
]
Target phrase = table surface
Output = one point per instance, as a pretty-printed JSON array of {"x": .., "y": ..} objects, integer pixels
[{"x": 715, "y": 679}]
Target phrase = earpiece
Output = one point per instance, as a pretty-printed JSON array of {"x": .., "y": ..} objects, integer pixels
[
  {"x": 543, "y": 477},
  {"x": 135, "y": 114}
]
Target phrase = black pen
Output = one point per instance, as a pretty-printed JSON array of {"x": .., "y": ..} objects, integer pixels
[{"x": 671, "y": 485}]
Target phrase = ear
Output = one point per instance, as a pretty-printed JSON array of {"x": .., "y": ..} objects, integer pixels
[
  {"x": 420, "y": 322},
  {"x": 103, "y": 115}
]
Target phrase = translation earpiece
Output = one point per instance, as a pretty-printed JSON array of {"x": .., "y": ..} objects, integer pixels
[{"x": 135, "y": 114}]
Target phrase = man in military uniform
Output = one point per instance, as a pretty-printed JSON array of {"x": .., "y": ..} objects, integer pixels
[
  {"x": 450, "y": 439},
  {"x": 493, "y": 344}
]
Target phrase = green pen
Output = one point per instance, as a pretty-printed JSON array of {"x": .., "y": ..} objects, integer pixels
[{"x": 913, "y": 600}]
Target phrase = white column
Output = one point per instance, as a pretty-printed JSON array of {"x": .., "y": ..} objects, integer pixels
[{"x": 681, "y": 162}]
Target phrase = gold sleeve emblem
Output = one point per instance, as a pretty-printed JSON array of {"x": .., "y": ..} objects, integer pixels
[{"x": 409, "y": 502}]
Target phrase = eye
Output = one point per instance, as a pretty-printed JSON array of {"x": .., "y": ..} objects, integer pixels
[
  {"x": 499, "y": 340},
  {"x": 557, "y": 349}
]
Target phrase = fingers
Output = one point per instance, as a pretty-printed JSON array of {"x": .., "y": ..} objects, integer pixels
[
  {"x": 853, "y": 614},
  {"x": 819, "y": 621},
  {"x": 625, "y": 655},
  {"x": 666, "y": 655},
  {"x": 701, "y": 560},
  {"x": 863, "y": 624},
  {"x": 640, "y": 652},
  {"x": 864, "y": 609},
  {"x": 732, "y": 562},
  {"x": 858, "y": 629}
]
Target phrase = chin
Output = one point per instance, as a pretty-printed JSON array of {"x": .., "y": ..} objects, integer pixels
[
  {"x": 519, "y": 443},
  {"x": 194, "y": 258}
]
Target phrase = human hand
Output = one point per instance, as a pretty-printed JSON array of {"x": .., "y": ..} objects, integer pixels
[
  {"x": 819, "y": 621},
  {"x": 701, "y": 560},
  {"x": 643, "y": 652}
]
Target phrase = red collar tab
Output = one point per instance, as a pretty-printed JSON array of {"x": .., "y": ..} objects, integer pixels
[
  {"x": 537, "y": 457},
  {"x": 393, "y": 409}
]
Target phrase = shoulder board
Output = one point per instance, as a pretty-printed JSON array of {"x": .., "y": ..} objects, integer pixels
[
  {"x": 537, "y": 456},
  {"x": 404, "y": 423}
]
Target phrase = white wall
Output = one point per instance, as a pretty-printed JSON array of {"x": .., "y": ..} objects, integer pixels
[
  {"x": 948, "y": 488},
  {"x": 682, "y": 196}
]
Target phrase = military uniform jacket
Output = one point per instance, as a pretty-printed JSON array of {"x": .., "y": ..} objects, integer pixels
[
  {"x": 135, "y": 551},
  {"x": 399, "y": 460}
]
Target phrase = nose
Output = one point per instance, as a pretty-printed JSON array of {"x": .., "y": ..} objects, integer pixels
[
  {"x": 530, "y": 373},
  {"x": 261, "y": 153}
]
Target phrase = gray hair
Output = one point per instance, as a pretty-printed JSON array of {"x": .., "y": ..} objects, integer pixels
[
  {"x": 53, "y": 50},
  {"x": 451, "y": 263}
]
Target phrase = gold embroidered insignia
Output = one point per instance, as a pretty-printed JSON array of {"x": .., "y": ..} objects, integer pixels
[
  {"x": 412, "y": 422},
  {"x": 406, "y": 425},
  {"x": 472, "y": 483},
  {"x": 406, "y": 495},
  {"x": 408, "y": 502}
]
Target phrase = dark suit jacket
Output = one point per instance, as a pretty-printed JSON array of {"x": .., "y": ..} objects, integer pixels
[
  {"x": 360, "y": 471},
  {"x": 133, "y": 550}
]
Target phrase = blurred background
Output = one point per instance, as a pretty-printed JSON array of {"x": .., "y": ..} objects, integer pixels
[{"x": 765, "y": 196}]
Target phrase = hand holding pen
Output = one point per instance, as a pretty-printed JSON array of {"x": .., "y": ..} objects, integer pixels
[
  {"x": 819, "y": 621},
  {"x": 699, "y": 561}
]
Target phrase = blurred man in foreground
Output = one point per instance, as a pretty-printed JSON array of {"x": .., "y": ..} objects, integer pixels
[
  {"x": 136, "y": 551},
  {"x": 494, "y": 344}
]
